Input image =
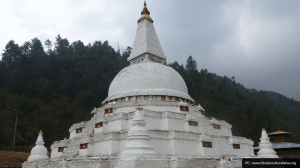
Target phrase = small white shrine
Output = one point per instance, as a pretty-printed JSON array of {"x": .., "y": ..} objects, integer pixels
[
  {"x": 265, "y": 146},
  {"x": 39, "y": 152},
  {"x": 148, "y": 120}
]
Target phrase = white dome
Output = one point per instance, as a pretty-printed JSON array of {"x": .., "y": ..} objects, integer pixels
[{"x": 147, "y": 78}]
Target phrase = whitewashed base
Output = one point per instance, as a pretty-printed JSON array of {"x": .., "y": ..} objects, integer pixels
[{"x": 137, "y": 162}]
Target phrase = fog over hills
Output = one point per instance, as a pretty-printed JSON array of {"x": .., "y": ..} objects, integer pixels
[{"x": 257, "y": 42}]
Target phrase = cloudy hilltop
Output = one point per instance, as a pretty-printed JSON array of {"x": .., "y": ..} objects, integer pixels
[{"x": 256, "y": 42}]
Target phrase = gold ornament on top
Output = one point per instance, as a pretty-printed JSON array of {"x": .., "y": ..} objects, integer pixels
[{"x": 145, "y": 13}]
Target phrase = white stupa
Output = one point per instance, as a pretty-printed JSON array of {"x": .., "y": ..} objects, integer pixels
[
  {"x": 138, "y": 139},
  {"x": 266, "y": 147},
  {"x": 149, "y": 120},
  {"x": 39, "y": 152}
]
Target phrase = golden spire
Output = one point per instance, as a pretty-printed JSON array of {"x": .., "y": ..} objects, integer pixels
[
  {"x": 40, "y": 130},
  {"x": 145, "y": 14}
]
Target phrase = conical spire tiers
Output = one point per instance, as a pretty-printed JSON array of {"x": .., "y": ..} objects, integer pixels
[
  {"x": 146, "y": 46},
  {"x": 145, "y": 14},
  {"x": 266, "y": 147},
  {"x": 39, "y": 152},
  {"x": 138, "y": 140}
]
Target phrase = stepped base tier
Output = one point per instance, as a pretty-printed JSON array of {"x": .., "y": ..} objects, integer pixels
[
  {"x": 179, "y": 139},
  {"x": 148, "y": 120}
]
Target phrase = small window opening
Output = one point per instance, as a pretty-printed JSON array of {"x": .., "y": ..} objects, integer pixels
[
  {"x": 236, "y": 146},
  {"x": 193, "y": 123},
  {"x": 207, "y": 144},
  {"x": 108, "y": 110},
  {"x": 60, "y": 149},
  {"x": 202, "y": 112},
  {"x": 79, "y": 130},
  {"x": 83, "y": 146},
  {"x": 216, "y": 126},
  {"x": 98, "y": 125},
  {"x": 183, "y": 108}
]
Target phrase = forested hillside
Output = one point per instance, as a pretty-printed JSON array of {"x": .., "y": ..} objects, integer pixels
[{"x": 52, "y": 87}]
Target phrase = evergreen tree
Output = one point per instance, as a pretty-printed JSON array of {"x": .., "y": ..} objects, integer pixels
[
  {"x": 12, "y": 53},
  {"x": 48, "y": 44},
  {"x": 55, "y": 90},
  {"x": 191, "y": 64}
]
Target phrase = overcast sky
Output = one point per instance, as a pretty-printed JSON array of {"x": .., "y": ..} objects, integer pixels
[{"x": 257, "y": 42}]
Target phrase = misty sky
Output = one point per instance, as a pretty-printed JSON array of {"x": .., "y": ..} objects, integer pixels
[{"x": 257, "y": 42}]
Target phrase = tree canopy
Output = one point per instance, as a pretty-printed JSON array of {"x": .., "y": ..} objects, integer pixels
[{"x": 53, "y": 88}]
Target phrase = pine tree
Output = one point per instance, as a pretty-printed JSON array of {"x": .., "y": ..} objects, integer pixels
[{"x": 191, "y": 64}]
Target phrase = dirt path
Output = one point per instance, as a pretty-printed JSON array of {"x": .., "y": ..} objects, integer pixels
[{"x": 13, "y": 158}]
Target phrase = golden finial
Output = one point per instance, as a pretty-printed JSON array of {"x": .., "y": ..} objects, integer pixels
[
  {"x": 95, "y": 108},
  {"x": 145, "y": 13},
  {"x": 85, "y": 134},
  {"x": 212, "y": 118},
  {"x": 231, "y": 135},
  {"x": 263, "y": 128},
  {"x": 181, "y": 100},
  {"x": 186, "y": 112},
  {"x": 81, "y": 121},
  {"x": 40, "y": 131},
  {"x": 65, "y": 138},
  {"x": 33, "y": 160},
  {"x": 139, "y": 104}
]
